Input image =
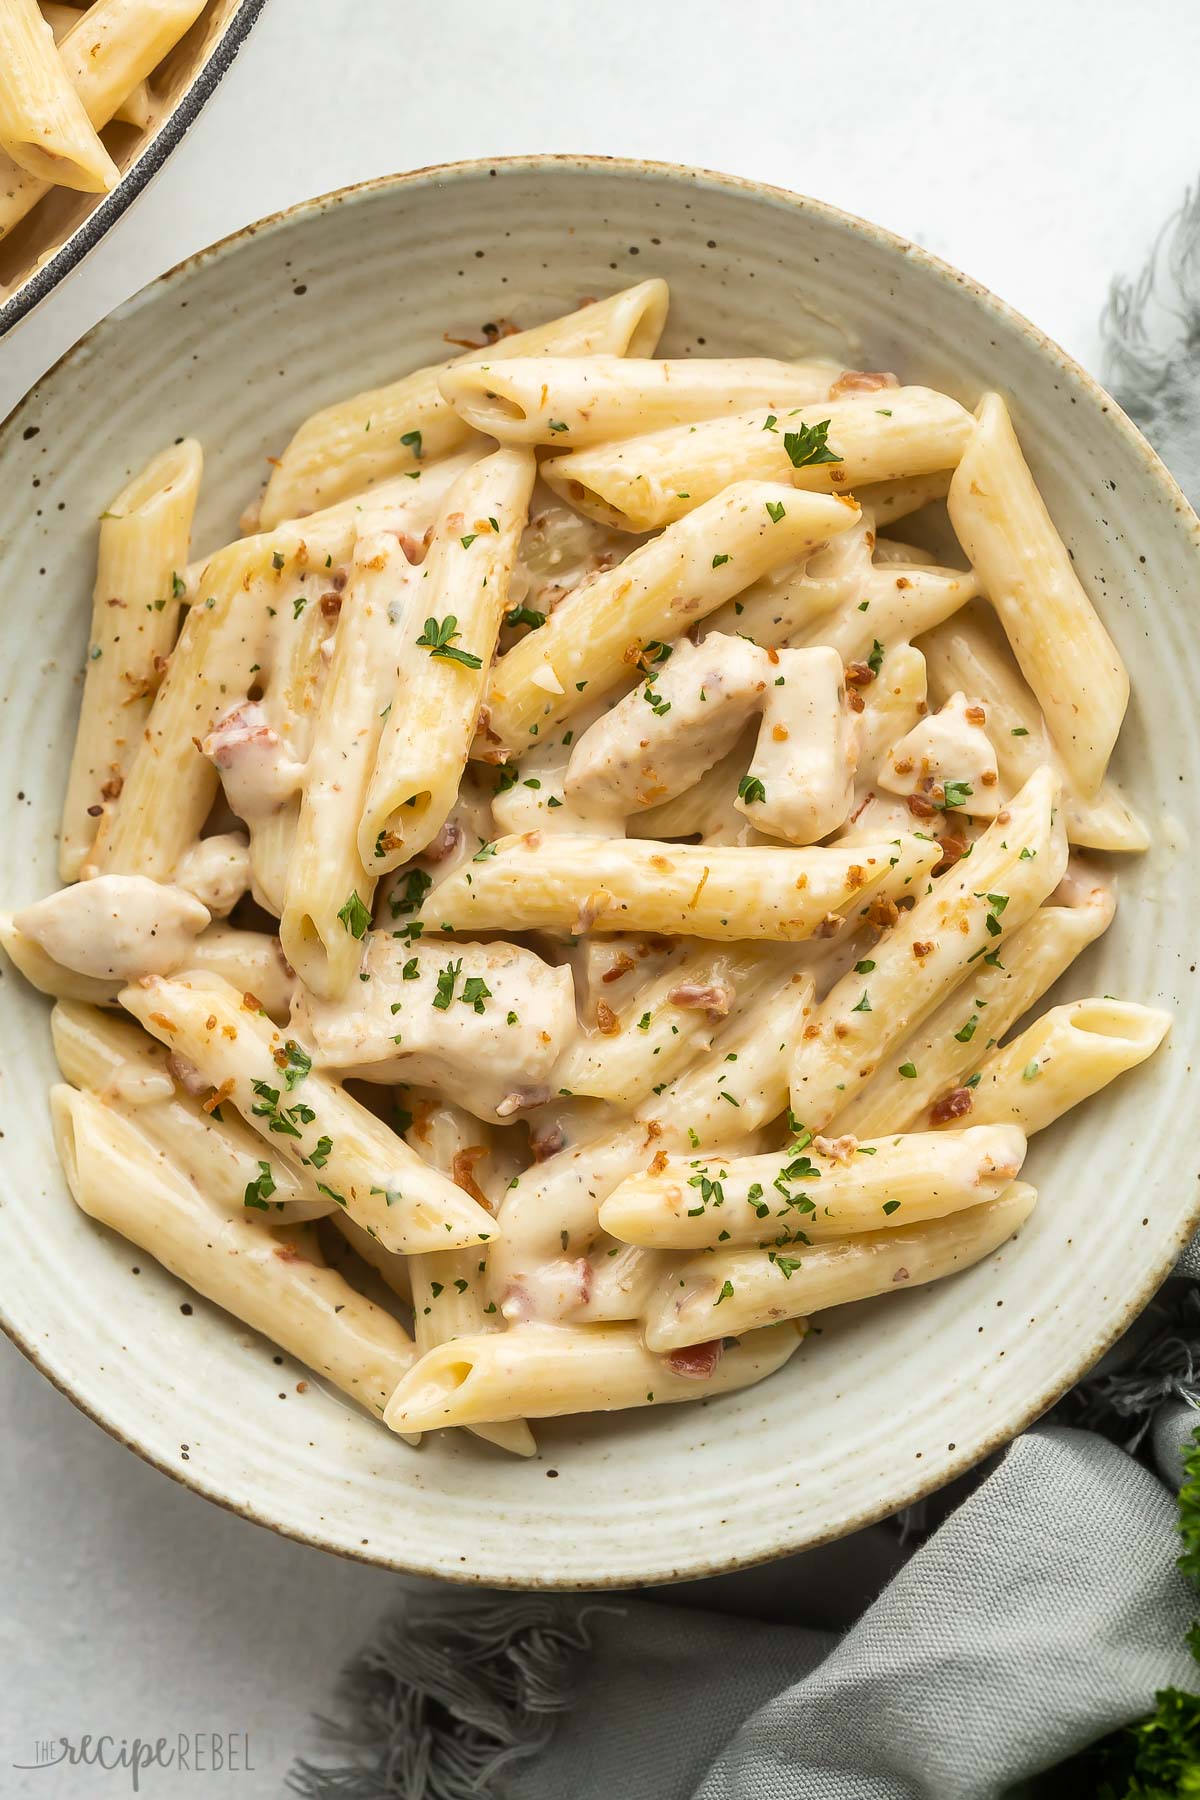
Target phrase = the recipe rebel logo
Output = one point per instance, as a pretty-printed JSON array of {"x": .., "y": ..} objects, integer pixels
[{"x": 188, "y": 1752}]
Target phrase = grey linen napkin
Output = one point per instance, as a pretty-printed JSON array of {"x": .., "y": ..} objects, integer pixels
[{"x": 1044, "y": 1610}]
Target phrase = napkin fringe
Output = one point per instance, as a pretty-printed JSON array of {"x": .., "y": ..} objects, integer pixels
[
  {"x": 1152, "y": 374},
  {"x": 438, "y": 1703}
]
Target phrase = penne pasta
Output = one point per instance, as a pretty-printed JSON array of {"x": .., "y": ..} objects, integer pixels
[
  {"x": 272, "y": 1281},
  {"x": 1064, "y": 1057},
  {"x": 961, "y": 920},
  {"x": 1065, "y": 654},
  {"x": 733, "y": 1291},
  {"x": 137, "y": 108},
  {"x": 43, "y": 124},
  {"x": 544, "y": 1370},
  {"x": 570, "y": 884},
  {"x": 641, "y": 483},
  {"x": 544, "y": 400},
  {"x": 450, "y": 621},
  {"x": 358, "y": 442},
  {"x": 808, "y": 1193},
  {"x": 135, "y": 612}
]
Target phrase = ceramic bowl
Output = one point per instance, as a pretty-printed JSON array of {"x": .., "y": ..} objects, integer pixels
[
  {"x": 60, "y": 231},
  {"x": 893, "y": 1397}
]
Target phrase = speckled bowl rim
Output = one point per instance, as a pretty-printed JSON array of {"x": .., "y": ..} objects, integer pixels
[
  {"x": 145, "y": 166},
  {"x": 1022, "y": 1415}
]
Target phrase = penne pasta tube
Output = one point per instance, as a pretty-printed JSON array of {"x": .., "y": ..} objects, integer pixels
[
  {"x": 963, "y": 655},
  {"x": 1064, "y": 1057},
  {"x": 327, "y": 900},
  {"x": 589, "y": 400},
  {"x": 170, "y": 785},
  {"x": 544, "y": 1371},
  {"x": 357, "y": 442},
  {"x": 394, "y": 1270},
  {"x": 641, "y": 483},
  {"x": 112, "y": 1058},
  {"x": 900, "y": 605},
  {"x": 732, "y": 1291},
  {"x": 663, "y": 1023},
  {"x": 605, "y": 884},
  {"x": 1064, "y": 652},
  {"x": 800, "y": 782},
  {"x": 43, "y": 124},
  {"x": 276, "y": 1284},
  {"x": 115, "y": 45},
  {"x": 47, "y": 975},
  {"x": 962, "y": 918},
  {"x": 657, "y": 741},
  {"x": 973, "y": 1017},
  {"x": 590, "y": 641},
  {"x": 135, "y": 615},
  {"x": 307, "y": 1119},
  {"x": 137, "y": 108},
  {"x": 449, "y": 1287},
  {"x": 448, "y": 628},
  {"x": 787, "y": 1198}
]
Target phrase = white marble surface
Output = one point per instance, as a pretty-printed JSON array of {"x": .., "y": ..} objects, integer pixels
[{"x": 1038, "y": 147}]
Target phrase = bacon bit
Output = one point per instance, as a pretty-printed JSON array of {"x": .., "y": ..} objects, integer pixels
[
  {"x": 920, "y": 807},
  {"x": 952, "y": 848},
  {"x": 302, "y": 1387},
  {"x": 841, "y": 1030},
  {"x": 660, "y": 1162},
  {"x": 119, "y": 603},
  {"x": 902, "y": 581},
  {"x": 492, "y": 333},
  {"x": 229, "y": 1031},
  {"x": 780, "y": 734},
  {"x": 922, "y": 950},
  {"x": 186, "y": 1073},
  {"x": 954, "y": 1105},
  {"x": 633, "y": 654},
  {"x": 696, "y": 1361},
  {"x": 414, "y": 548},
  {"x": 882, "y": 913},
  {"x": 210, "y": 1024},
  {"x": 838, "y": 1150},
  {"x": 989, "y": 778},
  {"x": 444, "y": 844},
  {"x": 621, "y": 967},
  {"x": 772, "y": 655},
  {"x": 522, "y": 1100},
  {"x": 903, "y": 765},
  {"x": 862, "y": 381},
  {"x": 462, "y": 1173},
  {"x": 900, "y": 1275},
  {"x": 217, "y": 1096},
  {"x": 859, "y": 675},
  {"x": 812, "y": 1031},
  {"x": 251, "y": 1002},
  {"x": 829, "y": 927},
  {"x": 288, "y": 1253},
  {"x": 716, "y": 998},
  {"x": 653, "y": 1130},
  {"x": 331, "y": 605},
  {"x": 547, "y": 1142},
  {"x": 855, "y": 875},
  {"x": 857, "y": 703},
  {"x": 380, "y": 561},
  {"x": 590, "y": 909},
  {"x": 975, "y": 715},
  {"x": 801, "y": 882},
  {"x": 607, "y": 1021},
  {"x": 111, "y": 789}
]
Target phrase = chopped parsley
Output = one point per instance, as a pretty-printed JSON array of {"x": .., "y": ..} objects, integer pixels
[
  {"x": 355, "y": 916},
  {"x": 439, "y": 641},
  {"x": 751, "y": 790},
  {"x": 445, "y": 985},
  {"x": 260, "y": 1189},
  {"x": 412, "y": 441},
  {"x": 776, "y": 510},
  {"x": 807, "y": 446}
]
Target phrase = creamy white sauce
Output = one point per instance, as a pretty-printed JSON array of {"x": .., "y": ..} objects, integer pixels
[{"x": 257, "y": 773}]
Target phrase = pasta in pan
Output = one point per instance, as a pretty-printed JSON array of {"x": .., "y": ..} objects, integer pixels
[{"x": 565, "y": 900}]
